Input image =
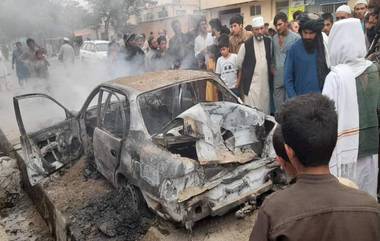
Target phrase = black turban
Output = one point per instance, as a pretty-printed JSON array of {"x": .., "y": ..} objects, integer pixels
[{"x": 311, "y": 21}]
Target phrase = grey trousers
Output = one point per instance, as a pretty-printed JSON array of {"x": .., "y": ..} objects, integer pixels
[{"x": 278, "y": 97}]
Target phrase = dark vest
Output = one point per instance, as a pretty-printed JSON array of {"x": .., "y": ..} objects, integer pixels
[{"x": 249, "y": 63}]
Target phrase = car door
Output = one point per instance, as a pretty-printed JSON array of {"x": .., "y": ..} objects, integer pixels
[
  {"x": 110, "y": 132},
  {"x": 50, "y": 134}
]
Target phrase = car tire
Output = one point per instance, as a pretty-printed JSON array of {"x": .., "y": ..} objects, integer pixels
[{"x": 137, "y": 200}]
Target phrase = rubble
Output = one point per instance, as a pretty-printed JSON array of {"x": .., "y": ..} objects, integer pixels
[
  {"x": 22, "y": 222},
  {"x": 10, "y": 187},
  {"x": 110, "y": 217}
]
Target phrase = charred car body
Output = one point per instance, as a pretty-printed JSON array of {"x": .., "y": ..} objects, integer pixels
[{"x": 178, "y": 140}]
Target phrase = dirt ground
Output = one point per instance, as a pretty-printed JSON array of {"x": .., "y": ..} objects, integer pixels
[
  {"x": 225, "y": 228},
  {"x": 99, "y": 212},
  {"x": 70, "y": 188},
  {"x": 23, "y": 223}
]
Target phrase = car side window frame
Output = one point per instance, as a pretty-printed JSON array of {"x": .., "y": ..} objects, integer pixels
[{"x": 102, "y": 111}]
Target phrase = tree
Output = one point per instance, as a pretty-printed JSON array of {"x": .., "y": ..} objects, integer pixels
[{"x": 115, "y": 13}]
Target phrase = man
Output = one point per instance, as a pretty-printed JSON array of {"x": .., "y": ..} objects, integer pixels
[
  {"x": 328, "y": 19},
  {"x": 161, "y": 60},
  {"x": 238, "y": 34},
  {"x": 3, "y": 73},
  {"x": 305, "y": 64},
  {"x": 361, "y": 10},
  {"x": 248, "y": 28},
  {"x": 372, "y": 20},
  {"x": 281, "y": 44},
  {"x": 343, "y": 12},
  {"x": 177, "y": 44},
  {"x": 28, "y": 56},
  {"x": 21, "y": 69},
  {"x": 153, "y": 46},
  {"x": 266, "y": 30},
  {"x": 203, "y": 40},
  {"x": 66, "y": 53},
  {"x": 316, "y": 207},
  {"x": 354, "y": 85},
  {"x": 217, "y": 29},
  {"x": 134, "y": 56},
  {"x": 254, "y": 61},
  {"x": 140, "y": 40}
]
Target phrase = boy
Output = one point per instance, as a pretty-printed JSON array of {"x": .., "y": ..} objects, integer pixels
[
  {"x": 317, "y": 206},
  {"x": 238, "y": 34},
  {"x": 226, "y": 66}
]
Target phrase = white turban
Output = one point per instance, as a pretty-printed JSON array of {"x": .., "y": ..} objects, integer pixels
[
  {"x": 361, "y": 2},
  {"x": 257, "y": 22},
  {"x": 344, "y": 8}
]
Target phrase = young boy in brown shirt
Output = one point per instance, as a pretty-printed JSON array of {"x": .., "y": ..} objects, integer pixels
[{"x": 317, "y": 206}]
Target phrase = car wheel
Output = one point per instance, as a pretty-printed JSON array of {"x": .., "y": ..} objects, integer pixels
[{"x": 136, "y": 199}]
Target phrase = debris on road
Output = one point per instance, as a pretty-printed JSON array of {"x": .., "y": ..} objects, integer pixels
[{"x": 10, "y": 187}]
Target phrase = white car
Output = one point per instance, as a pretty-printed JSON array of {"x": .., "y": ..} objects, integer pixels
[{"x": 94, "y": 51}]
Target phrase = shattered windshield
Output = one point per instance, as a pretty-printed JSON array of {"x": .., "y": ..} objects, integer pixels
[{"x": 161, "y": 106}]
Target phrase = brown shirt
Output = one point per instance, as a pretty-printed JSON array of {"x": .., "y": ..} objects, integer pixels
[
  {"x": 237, "y": 40},
  {"x": 318, "y": 207}
]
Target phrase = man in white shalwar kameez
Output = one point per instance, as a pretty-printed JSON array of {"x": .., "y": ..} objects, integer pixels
[
  {"x": 354, "y": 85},
  {"x": 254, "y": 59}
]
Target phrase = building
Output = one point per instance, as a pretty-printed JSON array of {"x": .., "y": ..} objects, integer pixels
[
  {"x": 158, "y": 17},
  {"x": 225, "y": 9},
  {"x": 325, "y": 6}
]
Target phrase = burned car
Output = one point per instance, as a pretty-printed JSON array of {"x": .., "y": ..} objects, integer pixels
[{"x": 179, "y": 141}]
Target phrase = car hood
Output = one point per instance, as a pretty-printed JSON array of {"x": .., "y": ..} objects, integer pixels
[{"x": 224, "y": 132}]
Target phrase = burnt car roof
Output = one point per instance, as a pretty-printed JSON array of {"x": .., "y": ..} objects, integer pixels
[{"x": 155, "y": 80}]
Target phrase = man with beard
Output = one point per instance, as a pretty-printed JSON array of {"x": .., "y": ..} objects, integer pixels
[
  {"x": 238, "y": 34},
  {"x": 281, "y": 44},
  {"x": 361, "y": 10},
  {"x": 254, "y": 61},
  {"x": 372, "y": 19},
  {"x": 305, "y": 65}
]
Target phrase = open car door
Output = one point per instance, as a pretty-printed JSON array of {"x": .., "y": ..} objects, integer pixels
[{"x": 50, "y": 134}]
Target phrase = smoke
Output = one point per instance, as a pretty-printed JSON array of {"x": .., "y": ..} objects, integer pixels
[
  {"x": 42, "y": 19},
  {"x": 70, "y": 86}
]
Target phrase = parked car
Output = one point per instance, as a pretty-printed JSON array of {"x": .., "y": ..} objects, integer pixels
[
  {"x": 94, "y": 51},
  {"x": 179, "y": 141}
]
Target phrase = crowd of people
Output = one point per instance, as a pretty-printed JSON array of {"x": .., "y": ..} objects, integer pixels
[
  {"x": 31, "y": 62},
  {"x": 317, "y": 74}
]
